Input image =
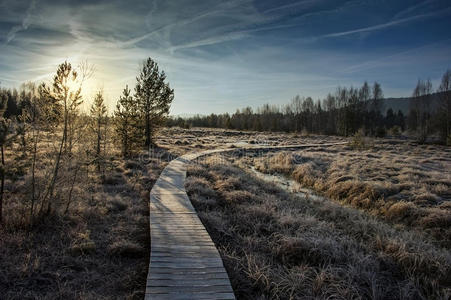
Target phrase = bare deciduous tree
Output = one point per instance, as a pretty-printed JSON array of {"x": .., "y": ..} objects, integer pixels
[
  {"x": 420, "y": 109},
  {"x": 444, "y": 108},
  {"x": 67, "y": 93}
]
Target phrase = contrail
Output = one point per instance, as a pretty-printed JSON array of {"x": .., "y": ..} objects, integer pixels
[{"x": 25, "y": 23}]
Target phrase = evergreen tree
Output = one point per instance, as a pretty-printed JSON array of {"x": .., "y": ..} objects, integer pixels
[
  {"x": 125, "y": 122},
  {"x": 5, "y": 137},
  {"x": 154, "y": 97},
  {"x": 99, "y": 117}
]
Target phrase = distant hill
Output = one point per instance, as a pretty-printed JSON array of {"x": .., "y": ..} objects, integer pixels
[{"x": 403, "y": 104}]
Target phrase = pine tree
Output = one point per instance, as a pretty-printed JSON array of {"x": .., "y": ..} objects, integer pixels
[
  {"x": 99, "y": 117},
  {"x": 3, "y": 134},
  {"x": 125, "y": 122},
  {"x": 154, "y": 97},
  {"x": 5, "y": 137}
]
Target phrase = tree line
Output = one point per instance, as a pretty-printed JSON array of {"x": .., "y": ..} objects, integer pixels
[
  {"x": 57, "y": 141},
  {"x": 344, "y": 113}
]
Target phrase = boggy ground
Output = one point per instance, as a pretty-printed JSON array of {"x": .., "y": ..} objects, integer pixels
[
  {"x": 402, "y": 182},
  {"x": 276, "y": 245},
  {"x": 180, "y": 140},
  {"x": 97, "y": 249}
]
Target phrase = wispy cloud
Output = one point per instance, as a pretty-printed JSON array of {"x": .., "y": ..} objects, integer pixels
[
  {"x": 389, "y": 24},
  {"x": 222, "y": 54},
  {"x": 209, "y": 41},
  {"x": 412, "y": 8},
  {"x": 403, "y": 58},
  {"x": 295, "y": 5},
  {"x": 25, "y": 23}
]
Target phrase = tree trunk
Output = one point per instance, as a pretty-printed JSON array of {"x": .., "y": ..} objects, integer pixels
[
  {"x": 2, "y": 183},
  {"x": 147, "y": 142},
  {"x": 98, "y": 145},
  {"x": 33, "y": 179},
  {"x": 69, "y": 200},
  {"x": 65, "y": 125},
  {"x": 52, "y": 183}
]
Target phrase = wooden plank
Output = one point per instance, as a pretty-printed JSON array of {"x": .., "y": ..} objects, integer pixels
[
  {"x": 181, "y": 238},
  {"x": 179, "y": 247},
  {"x": 161, "y": 232},
  {"x": 187, "y": 271},
  {"x": 181, "y": 255},
  {"x": 203, "y": 253},
  {"x": 185, "y": 265},
  {"x": 190, "y": 296},
  {"x": 201, "y": 276},
  {"x": 188, "y": 282},
  {"x": 190, "y": 289},
  {"x": 186, "y": 259}
]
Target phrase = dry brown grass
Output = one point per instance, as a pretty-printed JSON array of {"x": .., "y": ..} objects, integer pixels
[
  {"x": 405, "y": 183},
  {"x": 180, "y": 141},
  {"x": 279, "y": 246},
  {"x": 99, "y": 249},
  {"x": 274, "y": 245}
]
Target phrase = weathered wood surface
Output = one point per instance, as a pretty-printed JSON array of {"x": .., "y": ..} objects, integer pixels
[{"x": 184, "y": 262}]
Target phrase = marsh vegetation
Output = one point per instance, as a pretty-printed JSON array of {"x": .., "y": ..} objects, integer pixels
[
  {"x": 74, "y": 187},
  {"x": 277, "y": 245}
]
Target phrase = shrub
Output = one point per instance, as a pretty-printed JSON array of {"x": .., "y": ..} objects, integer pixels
[
  {"x": 82, "y": 244},
  {"x": 236, "y": 197},
  {"x": 117, "y": 204},
  {"x": 395, "y": 131},
  {"x": 83, "y": 248},
  {"x": 113, "y": 179},
  {"x": 401, "y": 210},
  {"x": 125, "y": 248},
  {"x": 358, "y": 140},
  {"x": 380, "y": 132}
]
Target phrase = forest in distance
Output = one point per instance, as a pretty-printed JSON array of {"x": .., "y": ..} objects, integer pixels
[{"x": 344, "y": 113}]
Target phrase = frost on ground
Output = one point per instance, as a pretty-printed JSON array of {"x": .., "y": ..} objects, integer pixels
[{"x": 279, "y": 246}]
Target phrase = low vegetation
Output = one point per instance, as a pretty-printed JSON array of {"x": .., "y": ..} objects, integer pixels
[
  {"x": 98, "y": 249},
  {"x": 74, "y": 188},
  {"x": 276, "y": 245},
  {"x": 402, "y": 182},
  {"x": 180, "y": 140}
]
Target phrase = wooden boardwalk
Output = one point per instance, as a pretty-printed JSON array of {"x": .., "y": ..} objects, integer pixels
[{"x": 184, "y": 262}]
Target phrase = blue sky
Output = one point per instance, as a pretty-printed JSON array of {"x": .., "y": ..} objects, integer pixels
[{"x": 223, "y": 55}]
